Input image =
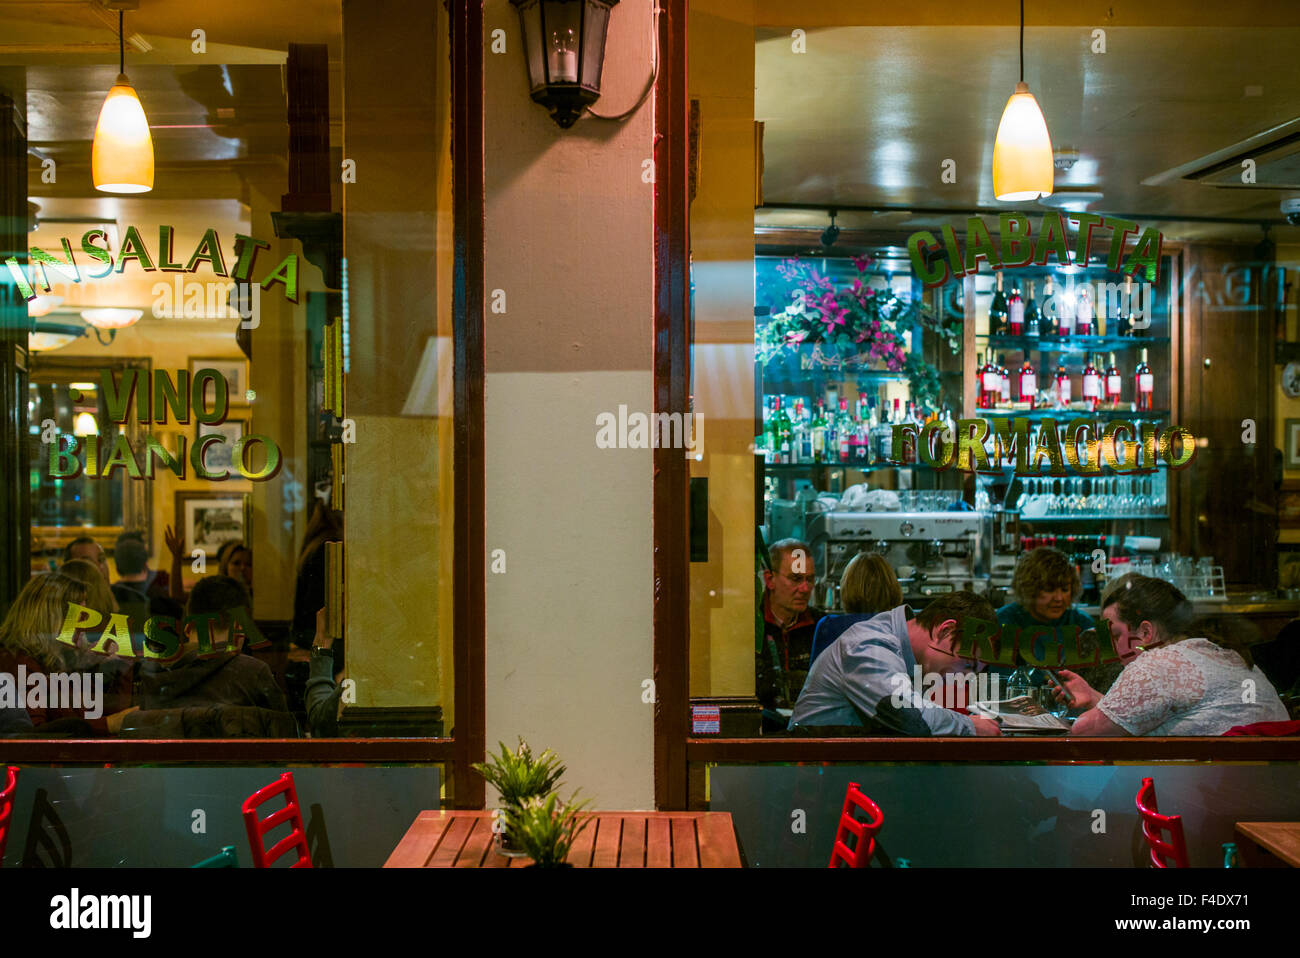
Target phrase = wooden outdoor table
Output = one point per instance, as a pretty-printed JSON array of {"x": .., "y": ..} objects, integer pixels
[
  {"x": 464, "y": 839},
  {"x": 1281, "y": 839}
]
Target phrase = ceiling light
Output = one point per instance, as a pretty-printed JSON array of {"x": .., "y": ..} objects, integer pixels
[
  {"x": 1022, "y": 152},
  {"x": 83, "y": 424},
  {"x": 111, "y": 317},
  {"x": 47, "y": 336},
  {"x": 39, "y": 306},
  {"x": 122, "y": 152}
]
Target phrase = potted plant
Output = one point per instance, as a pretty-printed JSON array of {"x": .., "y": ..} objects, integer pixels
[
  {"x": 545, "y": 829},
  {"x": 518, "y": 776}
]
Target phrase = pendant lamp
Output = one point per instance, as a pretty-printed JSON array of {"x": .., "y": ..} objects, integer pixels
[
  {"x": 121, "y": 157},
  {"x": 1022, "y": 152}
]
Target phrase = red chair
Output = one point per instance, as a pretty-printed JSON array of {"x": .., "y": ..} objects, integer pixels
[
  {"x": 7, "y": 807},
  {"x": 264, "y": 857},
  {"x": 859, "y": 856},
  {"x": 1153, "y": 823}
]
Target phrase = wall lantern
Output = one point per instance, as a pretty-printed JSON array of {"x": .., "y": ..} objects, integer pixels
[{"x": 564, "y": 41}]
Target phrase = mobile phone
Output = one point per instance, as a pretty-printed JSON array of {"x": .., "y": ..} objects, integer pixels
[{"x": 1065, "y": 693}]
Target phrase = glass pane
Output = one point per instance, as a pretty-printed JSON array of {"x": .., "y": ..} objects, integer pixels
[{"x": 281, "y": 332}]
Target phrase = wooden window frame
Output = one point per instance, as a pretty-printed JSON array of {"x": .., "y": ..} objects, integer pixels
[{"x": 466, "y": 745}]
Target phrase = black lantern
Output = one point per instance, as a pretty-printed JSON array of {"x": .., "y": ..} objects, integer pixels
[{"x": 565, "y": 44}]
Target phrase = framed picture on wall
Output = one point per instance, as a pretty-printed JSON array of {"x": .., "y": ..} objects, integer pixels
[
  {"x": 208, "y": 520},
  {"x": 234, "y": 371},
  {"x": 219, "y": 457},
  {"x": 1293, "y": 443}
]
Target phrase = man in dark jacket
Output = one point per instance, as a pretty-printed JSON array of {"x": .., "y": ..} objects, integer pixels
[
  {"x": 785, "y": 653},
  {"x": 220, "y": 676}
]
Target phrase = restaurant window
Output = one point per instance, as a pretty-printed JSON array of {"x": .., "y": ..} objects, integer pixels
[
  {"x": 228, "y": 373},
  {"x": 939, "y": 393}
]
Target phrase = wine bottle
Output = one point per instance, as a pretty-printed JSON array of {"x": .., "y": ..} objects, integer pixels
[
  {"x": 1028, "y": 387},
  {"x": 1004, "y": 388},
  {"x": 844, "y": 432},
  {"x": 1114, "y": 384},
  {"x": 1016, "y": 314},
  {"x": 1145, "y": 385},
  {"x": 1066, "y": 307},
  {"x": 998, "y": 311},
  {"x": 1062, "y": 386},
  {"x": 1032, "y": 316},
  {"x": 1047, "y": 325},
  {"x": 989, "y": 389},
  {"x": 817, "y": 430},
  {"x": 1083, "y": 314},
  {"x": 1125, "y": 325},
  {"x": 1092, "y": 386}
]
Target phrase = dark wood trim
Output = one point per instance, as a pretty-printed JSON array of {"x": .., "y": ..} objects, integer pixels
[
  {"x": 671, "y": 384},
  {"x": 470, "y": 569},
  {"x": 323, "y": 751},
  {"x": 1104, "y": 750}
]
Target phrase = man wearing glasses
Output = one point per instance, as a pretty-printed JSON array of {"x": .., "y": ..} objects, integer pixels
[
  {"x": 788, "y": 626},
  {"x": 865, "y": 683}
]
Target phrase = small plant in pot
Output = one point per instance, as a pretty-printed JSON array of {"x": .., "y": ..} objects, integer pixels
[
  {"x": 545, "y": 829},
  {"x": 518, "y": 776}
]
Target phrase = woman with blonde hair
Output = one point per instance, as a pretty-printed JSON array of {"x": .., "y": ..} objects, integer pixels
[
  {"x": 29, "y": 637},
  {"x": 868, "y": 587}
]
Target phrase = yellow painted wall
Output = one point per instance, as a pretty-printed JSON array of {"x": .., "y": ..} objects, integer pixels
[{"x": 722, "y": 248}]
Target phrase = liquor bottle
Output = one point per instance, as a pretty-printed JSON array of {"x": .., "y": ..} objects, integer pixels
[
  {"x": 1062, "y": 386},
  {"x": 1047, "y": 325},
  {"x": 989, "y": 389},
  {"x": 998, "y": 311},
  {"x": 1092, "y": 386},
  {"x": 1114, "y": 384},
  {"x": 1145, "y": 386},
  {"x": 1032, "y": 316},
  {"x": 1066, "y": 307},
  {"x": 1016, "y": 314},
  {"x": 802, "y": 434},
  {"x": 866, "y": 435},
  {"x": 844, "y": 433},
  {"x": 1084, "y": 313},
  {"x": 817, "y": 430},
  {"x": 1124, "y": 326},
  {"x": 1004, "y": 392},
  {"x": 782, "y": 433},
  {"x": 1028, "y": 387}
]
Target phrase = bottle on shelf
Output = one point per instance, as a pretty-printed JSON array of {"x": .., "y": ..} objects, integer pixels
[
  {"x": 1124, "y": 325},
  {"x": 802, "y": 434},
  {"x": 1092, "y": 385},
  {"x": 782, "y": 432},
  {"x": 989, "y": 388},
  {"x": 1144, "y": 385},
  {"x": 1066, "y": 306},
  {"x": 1114, "y": 384},
  {"x": 1004, "y": 390},
  {"x": 844, "y": 428},
  {"x": 1062, "y": 386},
  {"x": 1084, "y": 313},
  {"x": 817, "y": 430},
  {"x": 998, "y": 310},
  {"x": 1016, "y": 313},
  {"x": 1028, "y": 385},
  {"x": 1032, "y": 316},
  {"x": 1047, "y": 325}
]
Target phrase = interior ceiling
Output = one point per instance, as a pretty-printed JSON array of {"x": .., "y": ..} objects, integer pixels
[{"x": 867, "y": 116}]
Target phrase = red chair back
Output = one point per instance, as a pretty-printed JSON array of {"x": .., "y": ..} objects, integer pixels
[
  {"x": 1153, "y": 823},
  {"x": 859, "y": 856},
  {"x": 7, "y": 807},
  {"x": 264, "y": 857}
]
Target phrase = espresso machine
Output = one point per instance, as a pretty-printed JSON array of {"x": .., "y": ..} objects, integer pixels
[{"x": 932, "y": 553}]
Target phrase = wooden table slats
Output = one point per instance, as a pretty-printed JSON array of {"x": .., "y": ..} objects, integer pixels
[
  {"x": 464, "y": 839},
  {"x": 1280, "y": 839}
]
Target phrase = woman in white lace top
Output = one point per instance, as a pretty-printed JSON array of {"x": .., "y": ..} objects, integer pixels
[{"x": 1179, "y": 684}]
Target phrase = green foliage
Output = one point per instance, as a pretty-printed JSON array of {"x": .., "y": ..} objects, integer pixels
[
  {"x": 518, "y": 776},
  {"x": 545, "y": 829}
]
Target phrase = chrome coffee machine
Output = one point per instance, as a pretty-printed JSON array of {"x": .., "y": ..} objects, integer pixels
[{"x": 931, "y": 552}]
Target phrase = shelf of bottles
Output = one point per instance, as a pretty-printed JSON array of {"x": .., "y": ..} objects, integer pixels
[
  {"x": 832, "y": 424},
  {"x": 1065, "y": 343}
]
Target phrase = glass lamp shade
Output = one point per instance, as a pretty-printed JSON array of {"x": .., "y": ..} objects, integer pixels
[
  {"x": 564, "y": 44},
  {"x": 43, "y": 305},
  {"x": 84, "y": 424},
  {"x": 1022, "y": 152},
  {"x": 121, "y": 157},
  {"x": 111, "y": 317},
  {"x": 47, "y": 336}
]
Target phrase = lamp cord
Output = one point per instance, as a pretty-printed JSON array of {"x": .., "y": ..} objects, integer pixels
[
  {"x": 1022, "y": 41},
  {"x": 121, "y": 44},
  {"x": 654, "y": 71}
]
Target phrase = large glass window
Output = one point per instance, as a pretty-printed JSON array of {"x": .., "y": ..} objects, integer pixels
[
  {"x": 1042, "y": 396},
  {"x": 227, "y": 310}
]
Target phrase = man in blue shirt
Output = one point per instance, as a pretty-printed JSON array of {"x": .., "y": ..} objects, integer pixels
[{"x": 867, "y": 679}]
